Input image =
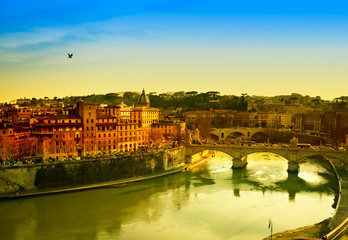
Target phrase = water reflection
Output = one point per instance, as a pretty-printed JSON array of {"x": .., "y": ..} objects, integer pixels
[
  {"x": 314, "y": 176},
  {"x": 211, "y": 202}
]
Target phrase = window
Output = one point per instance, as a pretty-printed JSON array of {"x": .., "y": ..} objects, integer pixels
[
  {"x": 91, "y": 120},
  {"x": 86, "y": 120}
]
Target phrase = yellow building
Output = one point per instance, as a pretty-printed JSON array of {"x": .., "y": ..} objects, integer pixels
[{"x": 143, "y": 114}]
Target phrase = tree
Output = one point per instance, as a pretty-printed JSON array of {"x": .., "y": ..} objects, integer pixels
[
  {"x": 294, "y": 142},
  {"x": 6, "y": 148},
  {"x": 292, "y": 100}
]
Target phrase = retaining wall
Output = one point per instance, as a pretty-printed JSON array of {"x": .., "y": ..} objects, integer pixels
[{"x": 24, "y": 178}]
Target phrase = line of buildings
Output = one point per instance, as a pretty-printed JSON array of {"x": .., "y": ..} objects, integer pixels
[
  {"x": 95, "y": 129},
  {"x": 86, "y": 129},
  {"x": 326, "y": 123}
]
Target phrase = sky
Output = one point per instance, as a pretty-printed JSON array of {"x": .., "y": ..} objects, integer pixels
[{"x": 258, "y": 47}]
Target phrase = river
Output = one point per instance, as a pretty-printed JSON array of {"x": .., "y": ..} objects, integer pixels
[{"x": 211, "y": 202}]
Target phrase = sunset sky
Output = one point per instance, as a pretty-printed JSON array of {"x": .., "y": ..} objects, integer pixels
[{"x": 252, "y": 46}]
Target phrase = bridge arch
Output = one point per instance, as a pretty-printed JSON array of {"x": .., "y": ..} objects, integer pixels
[
  {"x": 213, "y": 137},
  {"x": 196, "y": 151},
  {"x": 259, "y": 137},
  {"x": 294, "y": 156},
  {"x": 265, "y": 151},
  {"x": 239, "y": 155},
  {"x": 233, "y": 135}
]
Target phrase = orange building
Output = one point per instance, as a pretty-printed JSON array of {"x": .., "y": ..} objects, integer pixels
[
  {"x": 16, "y": 141},
  {"x": 23, "y": 143},
  {"x": 88, "y": 113},
  {"x": 58, "y": 136}
]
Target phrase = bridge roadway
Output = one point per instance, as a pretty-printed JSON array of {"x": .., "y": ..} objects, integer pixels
[{"x": 239, "y": 153}]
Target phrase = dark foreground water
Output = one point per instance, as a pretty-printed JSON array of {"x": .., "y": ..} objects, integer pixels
[{"x": 211, "y": 202}]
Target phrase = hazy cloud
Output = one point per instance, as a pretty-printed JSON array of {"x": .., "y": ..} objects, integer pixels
[{"x": 34, "y": 37}]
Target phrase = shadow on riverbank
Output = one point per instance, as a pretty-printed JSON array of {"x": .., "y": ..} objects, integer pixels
[{"x": 315, "y": 231}]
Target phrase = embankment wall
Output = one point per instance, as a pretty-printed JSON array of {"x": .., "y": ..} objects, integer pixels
[{"x": 38, "y": 177}]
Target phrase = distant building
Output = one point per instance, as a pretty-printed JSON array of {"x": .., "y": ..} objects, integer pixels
[
  {"x": 168, "y": 129},
  {"x": 143, "y": 114},
  {"x": 308, "y": 122},
  {"x": 16, "y": 114},
  {"x": 217, "y": 117}
]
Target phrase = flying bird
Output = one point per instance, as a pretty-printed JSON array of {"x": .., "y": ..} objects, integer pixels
[{"x": 70, "y": 55}]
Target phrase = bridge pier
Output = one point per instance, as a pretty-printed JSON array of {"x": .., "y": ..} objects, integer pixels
[
  {"x": 239, "y": 162},
  {"x": 293, "y": 166}
]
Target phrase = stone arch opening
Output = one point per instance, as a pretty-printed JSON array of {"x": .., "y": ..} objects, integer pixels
[
  {"x": 259, "y": 137},
  {"x": 232, "y": 136},
  {"x": 213, "y": 138}
]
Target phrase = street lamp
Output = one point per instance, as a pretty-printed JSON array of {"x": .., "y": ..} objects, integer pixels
[{"x": 270, "y": 226}]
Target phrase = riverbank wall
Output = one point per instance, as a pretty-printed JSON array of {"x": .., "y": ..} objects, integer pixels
[{"x": 21, "y": 179}]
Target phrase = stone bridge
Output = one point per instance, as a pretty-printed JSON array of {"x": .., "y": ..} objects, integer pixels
[
  {"x": 239, "y": 154},
  {"x": 223, "y": 133}
]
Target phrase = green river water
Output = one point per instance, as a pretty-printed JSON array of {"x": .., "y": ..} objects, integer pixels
[{"x": 211, "y": 202}]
